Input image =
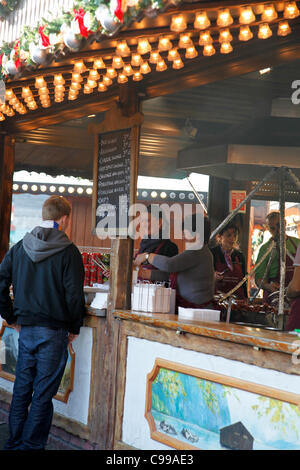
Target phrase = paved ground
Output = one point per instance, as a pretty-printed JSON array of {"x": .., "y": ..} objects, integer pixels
[{"x": 4, "y": 436}]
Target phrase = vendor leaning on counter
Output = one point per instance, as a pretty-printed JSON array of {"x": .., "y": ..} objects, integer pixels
[
  {"x": 229, "y": 262},
  {"x": 293, "y": 294},
  {"x": 153, "y": 242},
  {"x": 192, "y": 271},
  {"x": 271, "y": 282}
]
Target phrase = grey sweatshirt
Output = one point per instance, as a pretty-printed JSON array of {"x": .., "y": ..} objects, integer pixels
[
  {"x": 196, "y": 275},
  {"x": 42, "y": 242}
]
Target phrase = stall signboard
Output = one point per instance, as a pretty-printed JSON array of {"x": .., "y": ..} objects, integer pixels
[
  {"x": 113, "y": 182},
  {"x": 236, "y": 197}
]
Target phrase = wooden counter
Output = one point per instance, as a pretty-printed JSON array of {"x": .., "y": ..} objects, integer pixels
[{"x": 256, "y": 337}]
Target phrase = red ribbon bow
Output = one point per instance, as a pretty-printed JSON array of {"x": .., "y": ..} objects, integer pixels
[
  {"x": 44, "y": 38},
  {"x": 119, "y": 10},
  {"x": 79, "y": 15},
  {"x": 17, "y": 61}
]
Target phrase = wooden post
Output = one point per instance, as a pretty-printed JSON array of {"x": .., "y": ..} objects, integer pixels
[
  {"x": 7, "y": 148},
  {"x": 104, "y": 389}
]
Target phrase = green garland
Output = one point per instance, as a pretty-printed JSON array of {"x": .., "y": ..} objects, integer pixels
[
  {"x": 18, "y": 53},
  {"x": 7, "y": 7}
]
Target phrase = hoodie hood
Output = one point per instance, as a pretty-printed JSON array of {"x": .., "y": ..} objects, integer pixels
[{"x": 42, "y": 243}]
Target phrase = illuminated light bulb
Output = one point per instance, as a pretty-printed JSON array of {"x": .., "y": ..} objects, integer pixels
[
  {"x": 143, "y": 46},
  {"x": 76, "y": 77},
  {"x": 10, "y": 112},
  {"x": 172, "y": 55},
  {"x": 72, "y": 97},
  {"x": 9, "y": 94},
  {"x": 40, "y": 82},
  {"x": 91, "y": 83},
  {"x": 127, "y": 70},
  {"x": 245, "y": 33},
  {"x": 107, "y": 80},
  {"x": 99, "y": 64},
  {"x": 117, "y": 62},
  {"x": 87, "y": 90},
  {"x": 225, "y": 35},
  {"x": 71, "y": 190},
  {"x": 161, "y": 66},
  {"x": 24, "y": 187},
  {"x": 164, "y": 44},
  {"x": 137, "y": 76},
  {"x": 52, "y": 189},
  {"x": 60, "y": 88},
  {"x": 122, "y": 78},
  {"x": 123, "y": 49},
  {"x": 2, "y": 117},
  {"x": 226, "y": 48},
  {"x": 111, "y": 72},
  {"x": 177, "y": 64},
  {"x": 209, "y": 50},
  {"x": 46, "y": 104},
  {"x": 89, "y": 191},
  {"x": 32, "y": 106},
  {"x": 58, "y": 79},
  {"x": 246, "y": 16},
  {"x": 145, "y": 68},
  {"x": 75, "y": 86},
  {"x": 26, "y": 92},
  {"x": 58, "y": 99},
  {"x": 43, "y": 91},
  {"x": 264, "y": 31},
  {"x": 94, "y": 75},
  {"x": 269, "y": 13},
  {"x": 102, "y": 87},
  {"x": 191, "y": 53},
  {"x": 205, "y": 39},
  {"x": 201, "y": 20},
  {"x": 224, "y": 18},
  {"x": 283, "y": 28},
  {"x": 13, "y": 101},
  {"x": 154, "y": 57},
  {"x": 136, "y": 60},
  {"x": 291, "y": 11},
  {"x": 79, "y": 67},
  {"x": 80, "y": 190},
  {"x": 29, "y": 99},
  {"x": 178, "y": 24},
  {"x": 185, "y": 41},
  {"x": 34, "y": 187}
]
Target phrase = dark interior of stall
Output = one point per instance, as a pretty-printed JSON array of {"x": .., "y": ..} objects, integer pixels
[{"x": 192, "y": 131}]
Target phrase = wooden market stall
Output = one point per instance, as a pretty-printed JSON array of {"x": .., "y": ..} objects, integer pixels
[{"x": 147, "y": 380}]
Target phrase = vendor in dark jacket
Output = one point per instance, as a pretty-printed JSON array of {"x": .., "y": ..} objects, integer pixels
[
  {"x": 153, "y": 226},
  {"x": 229, "y": 262},
  {"x": 46, "y": 272}
]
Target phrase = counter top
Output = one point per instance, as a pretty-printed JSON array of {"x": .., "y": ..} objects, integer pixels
[{"x": 256, "y": 337}]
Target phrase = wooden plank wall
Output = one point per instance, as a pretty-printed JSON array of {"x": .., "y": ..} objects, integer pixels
[{"x": 80, "y": 228}]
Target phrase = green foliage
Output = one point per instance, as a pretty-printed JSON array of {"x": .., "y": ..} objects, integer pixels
[
  {"x": 159, "y": 405},
  {"x": 282, "y": 415},
  {"x": 10, "y": 6},
  {"x": 208, "y": 390},
  {"x": 170, "y": 383}
]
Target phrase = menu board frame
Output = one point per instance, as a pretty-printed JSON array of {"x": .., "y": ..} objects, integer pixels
[{"x": 115, "y": 121}]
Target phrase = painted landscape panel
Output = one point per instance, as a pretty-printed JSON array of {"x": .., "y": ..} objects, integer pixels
[{"x": 200, "y": 413}]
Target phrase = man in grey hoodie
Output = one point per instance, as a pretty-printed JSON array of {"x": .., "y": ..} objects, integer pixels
[{"x": 46, "y": 272}]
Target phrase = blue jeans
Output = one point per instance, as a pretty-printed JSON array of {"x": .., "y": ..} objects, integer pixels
[{"x": 41, "y": 363}]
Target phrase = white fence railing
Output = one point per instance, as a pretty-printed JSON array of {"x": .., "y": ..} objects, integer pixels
[{"x": 29, "y": 13}]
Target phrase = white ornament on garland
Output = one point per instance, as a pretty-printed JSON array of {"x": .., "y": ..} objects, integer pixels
[
  {"x": 71, "y": 40},
  {"x": 11, "y": 67},
  {"x": 38, "y": 54},
  {"x": 104, "y": 17}
]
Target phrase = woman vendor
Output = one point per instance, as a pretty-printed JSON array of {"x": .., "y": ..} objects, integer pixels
[
  {"x": 229, "y": 262},
  {"x": 293, "y": 294},
  {"x": 192, "y": 271},
  {"x": 152, "y": 242}
]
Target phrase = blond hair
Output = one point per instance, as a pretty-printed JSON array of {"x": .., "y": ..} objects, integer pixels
[{"x": 55, "y": 207}]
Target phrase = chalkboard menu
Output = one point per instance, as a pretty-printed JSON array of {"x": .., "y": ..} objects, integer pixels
[{"x": 113, "y": 182}]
